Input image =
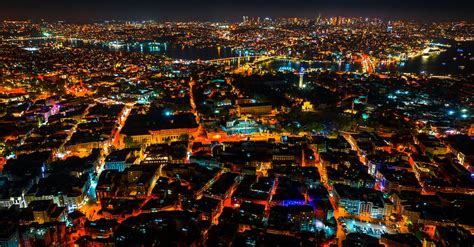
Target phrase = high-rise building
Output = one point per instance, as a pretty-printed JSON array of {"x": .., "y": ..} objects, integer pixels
[
  {"x": 245, "y": 19},
  {"x": 318, "y": 19}
]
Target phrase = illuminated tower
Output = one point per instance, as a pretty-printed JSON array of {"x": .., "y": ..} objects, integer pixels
[
  {"x": 301, "y": 84},
  {"x": 245, "y": 20}
]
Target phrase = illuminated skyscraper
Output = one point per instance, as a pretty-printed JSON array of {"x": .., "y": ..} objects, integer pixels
[
  {"x": 318, "y": 19},
  {"x": 245, "y": 20}
]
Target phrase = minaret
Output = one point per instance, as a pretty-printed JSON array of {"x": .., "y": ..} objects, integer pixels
[{"x": 301, "y": 85}]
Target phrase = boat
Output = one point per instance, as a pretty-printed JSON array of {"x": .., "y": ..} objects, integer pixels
[
  {"x": 426, "y": 52},
  {"x": 116, "y": 44}
]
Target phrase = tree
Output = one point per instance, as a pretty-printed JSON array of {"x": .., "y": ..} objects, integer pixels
[
  {"x": 184, "y": 138},
  {"x": 128, "y": 141},
  {"x": 332, "y": 222}
]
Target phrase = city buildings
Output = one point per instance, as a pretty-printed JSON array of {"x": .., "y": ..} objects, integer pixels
[{"x": 293, "y": 131}]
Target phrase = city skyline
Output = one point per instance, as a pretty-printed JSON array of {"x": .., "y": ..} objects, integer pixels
[{"x": 211, "y": 10}]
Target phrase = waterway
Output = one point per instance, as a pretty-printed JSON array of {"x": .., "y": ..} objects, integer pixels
[
  {"x": 455, "y": 60},
  {"x": 458, "y": 59}
]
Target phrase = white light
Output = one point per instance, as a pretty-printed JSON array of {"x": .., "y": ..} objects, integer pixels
[{"x": 31, "y": 49}]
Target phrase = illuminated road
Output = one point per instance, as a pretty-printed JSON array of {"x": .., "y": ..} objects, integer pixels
[
  {"x": 121, "y": 122},
  {"x": 91, "y": 207},
  {"x": 340, "y": 234}
]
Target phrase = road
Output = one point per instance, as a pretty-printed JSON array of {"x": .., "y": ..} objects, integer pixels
[{"x": 91, "y": 206}]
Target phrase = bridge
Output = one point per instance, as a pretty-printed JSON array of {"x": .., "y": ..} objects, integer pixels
[
  {"x": 245, "y": 59},
  {"x": 260, "y": 58},
  {"x": 49, "y": 37},
  {"x": 440, "y": 45}
]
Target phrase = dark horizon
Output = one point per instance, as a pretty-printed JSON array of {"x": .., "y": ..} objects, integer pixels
[{"x": 212, "y": 10}]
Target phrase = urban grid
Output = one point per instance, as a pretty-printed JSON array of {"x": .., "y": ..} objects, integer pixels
[{"x": 261, "y": 131}]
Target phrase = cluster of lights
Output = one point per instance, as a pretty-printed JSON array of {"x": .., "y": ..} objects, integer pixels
[{"x": 464, "y": 113}]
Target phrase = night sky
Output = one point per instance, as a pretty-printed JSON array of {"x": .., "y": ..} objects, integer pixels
[{"x": 232, "y": 10}]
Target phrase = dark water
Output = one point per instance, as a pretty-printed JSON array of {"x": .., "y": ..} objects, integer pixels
[
  {"x": 288, "y": 65},
  {"x": 158, "y": 48},
  {"x": 458, "y": 59},
  {"x": 179, "y": 52}
]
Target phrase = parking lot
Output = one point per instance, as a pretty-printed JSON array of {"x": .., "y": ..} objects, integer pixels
[{"x": 372, "y": 229}]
